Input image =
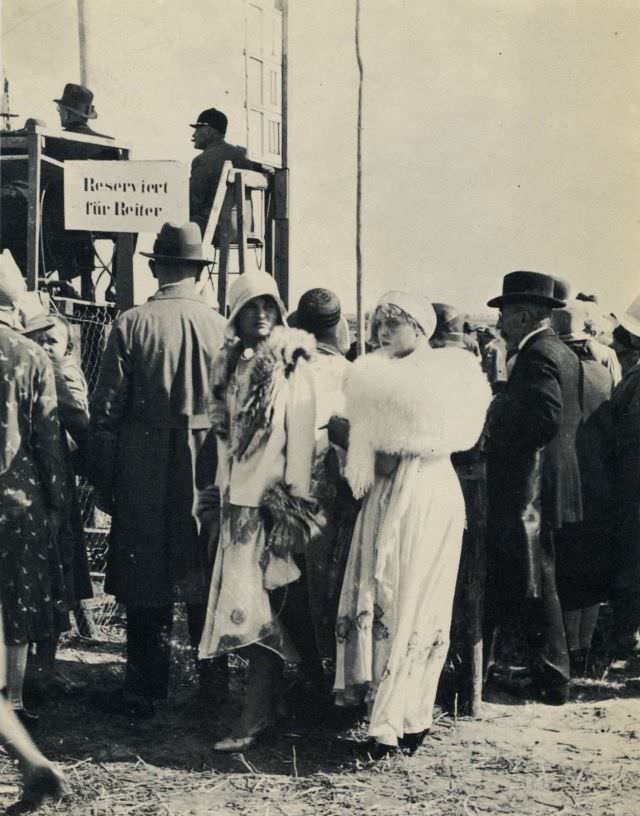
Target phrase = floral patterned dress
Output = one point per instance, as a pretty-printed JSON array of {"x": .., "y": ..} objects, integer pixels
[
  {"x": 240, "y": 611},
  {"x": 32, "y": 492}
]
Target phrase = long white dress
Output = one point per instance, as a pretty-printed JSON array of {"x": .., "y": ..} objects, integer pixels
[{"x": 395, "y": 608}]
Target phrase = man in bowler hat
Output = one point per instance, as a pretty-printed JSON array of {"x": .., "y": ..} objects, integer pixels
[
  {"x": 149, "y": 446},
  {"x": 208, "y": 137},
  {"x": 533, "y": 479}
]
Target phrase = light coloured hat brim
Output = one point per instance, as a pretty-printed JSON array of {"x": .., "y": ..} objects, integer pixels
[
  {"x": 38, "y": 323},
  {"x": 631, "y": 324},
  {"x": 575, "y": 337}
]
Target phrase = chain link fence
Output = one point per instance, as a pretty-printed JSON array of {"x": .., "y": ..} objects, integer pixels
[{"x": 101, "y": 616}]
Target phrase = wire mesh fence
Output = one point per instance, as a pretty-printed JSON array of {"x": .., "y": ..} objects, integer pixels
[{"x": 91, "y": 324}]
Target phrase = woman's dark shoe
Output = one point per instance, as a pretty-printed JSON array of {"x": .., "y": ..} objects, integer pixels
[
  {"x": 378, "y": 750},
  {"x": 411, "y": 742},
  {"x": 123, "y": 704}
]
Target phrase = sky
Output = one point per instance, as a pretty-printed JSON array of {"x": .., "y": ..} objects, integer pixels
[{"x": 498, "y": 134}]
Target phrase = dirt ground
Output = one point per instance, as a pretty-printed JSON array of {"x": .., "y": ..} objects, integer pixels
[{"x": 521, "y": 758}]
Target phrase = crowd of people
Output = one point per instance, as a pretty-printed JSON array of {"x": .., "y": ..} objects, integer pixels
[{"x": 304, "y": 507}]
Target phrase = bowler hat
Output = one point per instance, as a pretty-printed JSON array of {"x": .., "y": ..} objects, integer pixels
[
  {"x": 77, "y": 99},
  {"x": 213, "y": 118},
  {"x": 176, "y": 244},
  {"x": 527, "y": 287}
]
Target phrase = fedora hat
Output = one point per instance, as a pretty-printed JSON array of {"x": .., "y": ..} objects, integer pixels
[
  {"x": 176, "y": 244},
  {"x": 77, "y": 99},
  {"x": 630, "y": 320},
  {"x": 212, "y": 118},
  {"x": 527, "y": 287}
]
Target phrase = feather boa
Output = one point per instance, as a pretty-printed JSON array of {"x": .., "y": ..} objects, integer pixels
[
  {"x": 272, "y": 363},
  {"x": 430, "y": 403}
]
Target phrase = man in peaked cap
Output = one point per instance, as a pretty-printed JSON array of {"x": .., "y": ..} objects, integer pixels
[
  {"x": 208, "y": 136},
  {"x": 149, "y": 445},
  {"x": 533, "y": 478},
  {"x": 625, "y": 448}
]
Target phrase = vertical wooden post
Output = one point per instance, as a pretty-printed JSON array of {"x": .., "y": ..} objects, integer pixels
[
  {"x": 360, "y": 341},
  {"x": 82, "y": 42},
  {"x": 34, "y": 214},
  {"x": 269, "y": 229},
  {"x": 124, "y": 266},
  {"x": 242, "y": 231},
  {"x": 223, "y": 265},
  {"x": 477, "y": 515},
  {"x": 281, "y": 242}
]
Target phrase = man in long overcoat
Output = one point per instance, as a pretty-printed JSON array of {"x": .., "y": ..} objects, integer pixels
[
  {"x": 625, "y": 447},
  {"x": 149, "y": 426},
  {"x": 584, "y": 553},
  {"x": 533, "y": 477}
]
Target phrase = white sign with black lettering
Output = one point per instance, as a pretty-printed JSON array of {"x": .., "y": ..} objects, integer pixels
[{"x": 125, "y": 196}]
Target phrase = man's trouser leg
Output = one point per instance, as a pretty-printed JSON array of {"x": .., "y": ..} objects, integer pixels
[
  {"x": 148, "y": 651},
  {"x": 213, "y": 674},
  {"x": 292, "y": 605},
  {"x": 545, "y": 631}
]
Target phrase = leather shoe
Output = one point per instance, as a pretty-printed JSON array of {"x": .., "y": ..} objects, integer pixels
[{"x": 235, "y": 745}]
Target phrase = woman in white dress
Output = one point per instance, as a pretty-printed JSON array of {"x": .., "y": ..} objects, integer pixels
[
  {"x": 264, "y": 419},
  {"x": 409, "y": 407}
]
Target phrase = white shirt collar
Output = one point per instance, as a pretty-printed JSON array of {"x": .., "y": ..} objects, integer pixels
[{"x": 530, "y": 335}]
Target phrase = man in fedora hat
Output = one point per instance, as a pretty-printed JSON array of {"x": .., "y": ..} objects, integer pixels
[
  {"x": 533, "y": 478},
  {"x": 624, "y": 409},
  {"x": 149, "y": 424},
  {"x": 75, "y": 108},
  {"x": 208, "y": 136}
]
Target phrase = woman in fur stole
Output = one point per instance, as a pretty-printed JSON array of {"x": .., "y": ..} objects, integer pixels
[
  {"x": 264, "y": 419},
  {"x": 409, "y": 407}
]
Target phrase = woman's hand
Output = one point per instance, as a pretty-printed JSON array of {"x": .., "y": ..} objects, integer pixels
[
  {"x": 386, "y": 463},
  {"x": 338, "y": 429}
]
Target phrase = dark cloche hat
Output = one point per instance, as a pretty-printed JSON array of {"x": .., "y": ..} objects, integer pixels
[
  {"x": 178, "y": 245},
  {"x": 318, "y": 309},
  {"x": 213, "y": 118},
  {"x": 77, "y": 99},
  {"x": 528, "y": 287}
]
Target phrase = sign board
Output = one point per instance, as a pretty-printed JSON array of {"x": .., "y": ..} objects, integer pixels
[{"x": 124, "y": 196}]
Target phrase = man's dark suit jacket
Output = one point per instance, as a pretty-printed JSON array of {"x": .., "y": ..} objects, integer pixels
[{"x": 532, "y": 467}]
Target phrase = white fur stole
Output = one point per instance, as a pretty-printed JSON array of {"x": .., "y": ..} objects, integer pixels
[{"x": 430, "y": 403}]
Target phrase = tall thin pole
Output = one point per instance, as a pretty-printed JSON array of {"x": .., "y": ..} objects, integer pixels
[
  {"x": 359, "y": 281},
  {"x": 82, "y": 42}
]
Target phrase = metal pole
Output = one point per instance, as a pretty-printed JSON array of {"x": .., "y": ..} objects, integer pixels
[
  {"x": 359, "y": 281},
  {"x": 82, "y": 42}
]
